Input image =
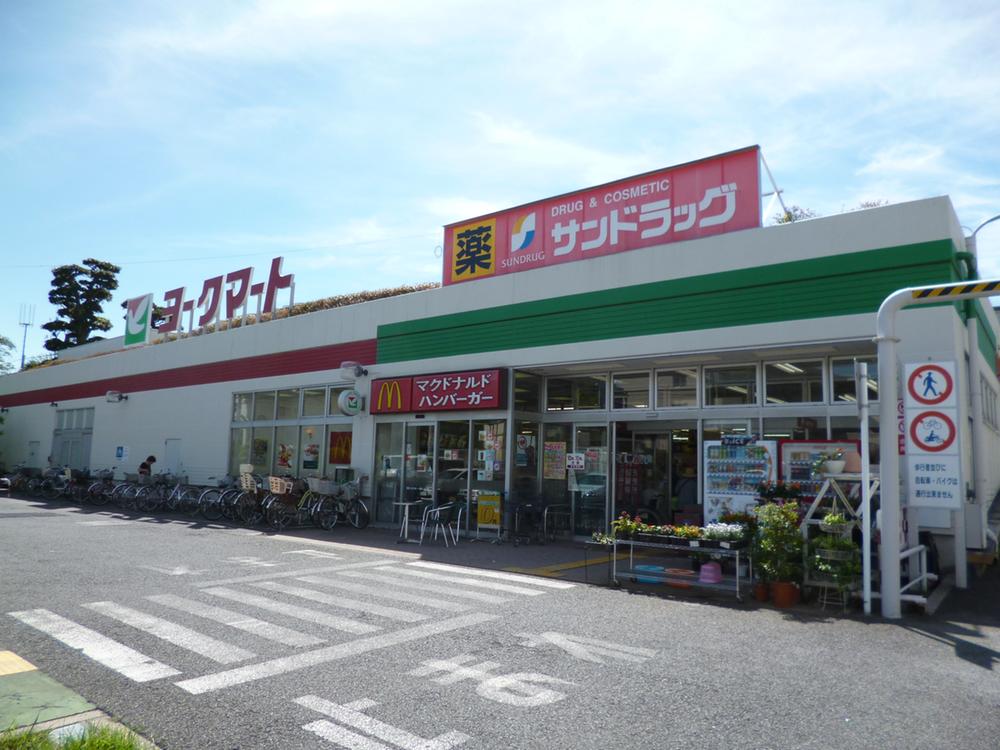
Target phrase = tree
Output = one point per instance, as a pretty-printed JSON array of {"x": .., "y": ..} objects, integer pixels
[
  {"x": 6, "y": 347},
  {"x": 79, "y": 292},
  {"x": 793, "y": 214}
]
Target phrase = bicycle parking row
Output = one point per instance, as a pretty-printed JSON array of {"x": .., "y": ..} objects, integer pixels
[{"x": 250, "y": 499}]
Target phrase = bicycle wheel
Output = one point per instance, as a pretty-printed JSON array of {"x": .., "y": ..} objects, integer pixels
[
  {"x": 146, "y": 499},
  {"x": 357, "y": 513},
  {"x": 230, "y": 507},
  {"x": 279, "y": 515},
  {"x": 210, "y": 504},
  {"x": 324, "y": 513},
  {"x": 34, "y": 487},
  {"x": 250, "y": 510},
  {"x": 188, "y": 501},
  {"x": 49, "y": 490}
]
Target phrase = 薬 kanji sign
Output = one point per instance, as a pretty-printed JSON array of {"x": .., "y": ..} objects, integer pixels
[
  {"x": 710, "y": 196},
  {"x": 453, "y": 391}
]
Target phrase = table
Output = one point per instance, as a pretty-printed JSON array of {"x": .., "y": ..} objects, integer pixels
[{"x": 404, "y": 528}]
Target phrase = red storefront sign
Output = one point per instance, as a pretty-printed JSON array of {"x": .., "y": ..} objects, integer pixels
[
  {"x": 453, "y": 391},
  {"x": 712, "y": 196}
]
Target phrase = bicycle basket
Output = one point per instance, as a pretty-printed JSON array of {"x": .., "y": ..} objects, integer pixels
[
  {"x": 280, "y": 485},
  {"x": 248, "y": 483},
  {"x": 322, "y": 486},
  {"x": 246, "y": 468}
]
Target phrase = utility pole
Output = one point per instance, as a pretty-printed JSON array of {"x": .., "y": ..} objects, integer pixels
[{"x": 25, "y": 317}]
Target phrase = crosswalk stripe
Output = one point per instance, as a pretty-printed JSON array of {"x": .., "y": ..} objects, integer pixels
[
  {"x": 344, "y": 624},
  {"x": 112, "y": 654},
  {"x": 291, "y": 573},
  {"x": 493, "y": 574},
  {"x": 464, "y": 581},
  {"x": 327, "y": 654},
  {"x": 171, "y": 632},
  {"x": 237, "y": 620},
  {"x": 434, "y": 589},
  {"x": 392, "y": 613},
  {"x": 399, "y": 596}
]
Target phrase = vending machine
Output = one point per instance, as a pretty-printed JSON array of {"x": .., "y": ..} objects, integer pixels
[{"x": 733, "y": 469}]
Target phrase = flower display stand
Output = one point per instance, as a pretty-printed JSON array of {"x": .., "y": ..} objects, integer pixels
[{"x": 626, "y": 567}]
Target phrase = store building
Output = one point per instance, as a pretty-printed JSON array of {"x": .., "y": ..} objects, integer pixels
[{"x": 594, "y": 382}]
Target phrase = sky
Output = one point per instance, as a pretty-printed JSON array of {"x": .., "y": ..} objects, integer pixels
[{"x": 182, "y": 140}]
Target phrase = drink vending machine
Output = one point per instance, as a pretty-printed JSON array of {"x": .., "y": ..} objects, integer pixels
[{"x": 733, "y": 470}]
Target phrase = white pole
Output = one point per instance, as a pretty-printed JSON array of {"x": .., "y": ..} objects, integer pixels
[
  {"x": 866, "y": 498},
  {"x": 888, "y": 451}
]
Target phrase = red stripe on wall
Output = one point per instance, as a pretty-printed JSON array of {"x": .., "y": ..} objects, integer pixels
[{"x": 267, "y": 365}]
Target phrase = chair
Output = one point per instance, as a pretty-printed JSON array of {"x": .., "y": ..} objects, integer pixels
[{"x": 441, "y": 518}]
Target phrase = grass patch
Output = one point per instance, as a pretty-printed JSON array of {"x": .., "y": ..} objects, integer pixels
[{"x": 95, "y": 737}]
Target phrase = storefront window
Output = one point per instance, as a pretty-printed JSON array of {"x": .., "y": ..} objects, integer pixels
[
  {"x": 288, "y": 404},
  {"x": 557, "y": 442},
  {"x": 488, "y": 457},
  {"x": 795, "y": 428},
  {"x": 453, "y": 461},
  {"x": 527, "y": 391},
  {"x": 631, "y": 391},
  {"x": 842, "y": 375},
  {"x": 263, "y": 405},
  {"x": 418, "y": 463},
  {"x": 239, "y": 449},
  {"x": 677, "y": 388},
  {"x": 731, "y": 386},
  {"x": 242, "y": 407},
  {"x": 313, "y": 402},
  {"x": 261, "y": 449},
  {"x": 311, "y": 440},
  {"x": 793, "y": 382},
  {"x": 591, "y": 483},
  {"x": 340, "y": 449},
  {"x": 286, "y": 451},
  {"x": 849, "y": 428},
  {"x": 577, "y": 393},
  {"x": 524, "y": 471},
  {"x": 388, "y": 468}
]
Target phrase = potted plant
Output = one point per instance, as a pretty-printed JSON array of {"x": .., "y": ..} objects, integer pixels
[
  {"x": 835, "y": 523},
  {"x": 779, "y": 491},
  {"x": 728, "y": 535},
  {"x": 836, "y": 558},
  {"x": 830, "y": 462},
  {"x": 626, "y": 526},
  {"x": 778, "y": 550}
]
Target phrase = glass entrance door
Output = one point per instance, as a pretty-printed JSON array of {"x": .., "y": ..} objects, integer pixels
[
  {"x": 590, "y": 507},
  {"x": 418, "y": 463}
]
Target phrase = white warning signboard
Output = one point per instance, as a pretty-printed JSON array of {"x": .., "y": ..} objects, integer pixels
[{"x": 931, "y": 430}]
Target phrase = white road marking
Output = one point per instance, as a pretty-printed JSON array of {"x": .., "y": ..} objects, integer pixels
[
  {"x": 315, "y": 553},
  {"x": 342, "y": 736},
  {"x": 392, "y": 613},
  {"x": 464, "y": 581},
  {"x": 399, "y": 596},
  {"x": 514, "y": 577},
  {"x": 252, "y": 562},
  {"x": 237, "y": 620},
  {"x": 358, "y": 646},
  {"x": 517, "y": 689},
  {"x": 107, "y": 522},
  {"x": 171, "y": 632},
  {"x": 588, "y": 649},
  {"x": 418, "y": 586},
  {"x": 180, "y": 570},
  {"x": 292, "y": 573},
  {"x": 300, "y": 613},
  {"x": 112, "y": 654},
  {"x": 351, "y": 715}
]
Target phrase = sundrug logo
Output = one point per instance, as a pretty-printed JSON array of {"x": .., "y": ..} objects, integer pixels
[
  {"x": 138, "y": 319},
  {"x": 523, "y": 233}
]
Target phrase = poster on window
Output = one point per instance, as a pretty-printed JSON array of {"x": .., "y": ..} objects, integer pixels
[
  {"x": 310, "y": 456},
  {"x": 286, "y": 455},
  {"x": 554, "y": 460},
  {"x": 340, "y": 447}
]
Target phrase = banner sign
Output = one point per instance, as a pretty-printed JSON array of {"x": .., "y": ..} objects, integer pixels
[
  {"x": 711, "y": 196},
  {"x": 931, "y": 430},
  {"x": 454, "y": 391},
  {"x": 223, "y": 297},
  {"x": 138, "y": 320},
  {"x": 488, "y": 510}
]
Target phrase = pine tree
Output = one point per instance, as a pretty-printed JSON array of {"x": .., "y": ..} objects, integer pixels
[{"x": 79, "y": 291}]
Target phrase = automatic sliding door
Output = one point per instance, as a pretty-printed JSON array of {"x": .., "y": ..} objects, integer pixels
[{"x": 590, "y": 510}]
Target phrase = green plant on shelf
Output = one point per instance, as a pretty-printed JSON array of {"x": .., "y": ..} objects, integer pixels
[
  {"x": 778, "y": 545},
  {"x": 836, "y": 558}
]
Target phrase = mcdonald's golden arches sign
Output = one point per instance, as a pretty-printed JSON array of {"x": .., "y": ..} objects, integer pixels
[{"x": 391, "y": 396}]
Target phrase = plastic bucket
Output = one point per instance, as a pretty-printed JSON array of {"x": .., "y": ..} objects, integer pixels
[{"x": 658, "y": 569}]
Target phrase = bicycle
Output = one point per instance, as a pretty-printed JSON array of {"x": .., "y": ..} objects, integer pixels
[
  {"x": 99, "y": 492},
  {"x": 287, "y": 503},
  {"x": 341, "y": 503},
  {"x": 154, "y": 496},
  {"x": 213, "y": 501},
  {"x": 68, "y": 483}
]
